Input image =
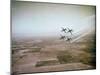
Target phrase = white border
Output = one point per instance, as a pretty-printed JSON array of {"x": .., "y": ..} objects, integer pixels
[
  {"x": 85, "y": 2},
  {"x": 5, "y": 37}
]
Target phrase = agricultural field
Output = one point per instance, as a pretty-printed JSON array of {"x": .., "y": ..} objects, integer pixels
[{"x": 31, "y": 55}]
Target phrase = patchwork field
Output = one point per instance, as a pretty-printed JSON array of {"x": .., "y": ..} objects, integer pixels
[{"x": 51, "y": 54}]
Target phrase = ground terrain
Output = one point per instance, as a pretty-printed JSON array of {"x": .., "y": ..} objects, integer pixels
[{"x": 31, "y": 55}]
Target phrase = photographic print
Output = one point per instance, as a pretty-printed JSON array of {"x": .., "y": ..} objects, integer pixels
[{"x": 52, "y": 37}]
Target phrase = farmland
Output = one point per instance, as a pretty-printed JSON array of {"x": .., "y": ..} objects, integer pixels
[{"x": 31, "y": 55}]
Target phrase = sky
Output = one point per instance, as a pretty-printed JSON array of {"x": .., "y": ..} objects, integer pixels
[{"x": 46, "y": 19}]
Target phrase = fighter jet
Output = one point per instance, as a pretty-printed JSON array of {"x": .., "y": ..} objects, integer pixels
[
  {"x": 64, "y": 30},
  {"x": 62, "y": 37},
  {"x": 70, "y": 31},
  {"x": 69, "y": 39}
]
